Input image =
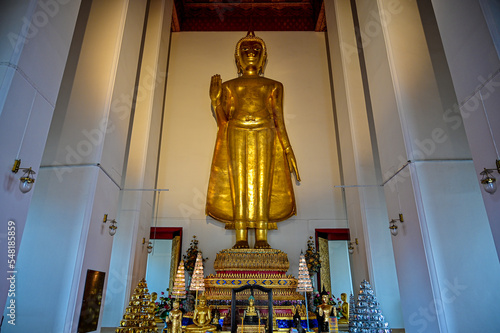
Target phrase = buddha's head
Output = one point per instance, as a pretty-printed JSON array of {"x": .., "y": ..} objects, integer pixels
[
  {"x": 202, "y": 301},
  {"x": 325, "y": 296},
  {"x": 343, "y": 297},
  {"x": 251, "y": 52},
  {"x": 176, "y": 305},
  {"x": 251, "y": 300}
]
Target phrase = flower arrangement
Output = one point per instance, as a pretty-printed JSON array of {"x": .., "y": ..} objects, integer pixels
[
  {"x": 312, "y": 257},
  {"x": 191, "y": 254},
  {"x": 164, "y": 305},
  {"x": 317, "y": 300}
]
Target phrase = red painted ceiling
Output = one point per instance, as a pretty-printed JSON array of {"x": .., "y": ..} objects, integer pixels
[{"x": 244, "y": 15}]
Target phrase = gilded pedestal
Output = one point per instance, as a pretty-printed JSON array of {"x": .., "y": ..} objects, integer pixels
[
  {"x": 238, "y": 267},
  {"x": 265, "y": 267}
]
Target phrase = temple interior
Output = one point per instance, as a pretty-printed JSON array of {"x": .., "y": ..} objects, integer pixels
[{"x": 388, "y": 105}]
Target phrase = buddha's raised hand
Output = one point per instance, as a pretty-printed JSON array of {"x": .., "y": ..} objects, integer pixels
[{"x": 216, "y": 90}]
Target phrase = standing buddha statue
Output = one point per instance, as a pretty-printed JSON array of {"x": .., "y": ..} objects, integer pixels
[
  {"x": 250, "y": 185},
  {"x": 324, "y": 312},
  {"x": 175, "y": 318}
]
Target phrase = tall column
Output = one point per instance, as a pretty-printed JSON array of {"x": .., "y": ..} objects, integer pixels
[
  {"x": 129, "y": 256},
  {"x": 81, "y": 170},
  {"x": 427, "y": 172},
  {"x": 373, "y": 258},
  {"x": 470, "y": 39},
  {"x": 35, "y": 38}
]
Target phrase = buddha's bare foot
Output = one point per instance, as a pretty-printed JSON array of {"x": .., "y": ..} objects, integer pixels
[
  {"x": 261, "y": 244},
  {"x": 241, "y": 245}
]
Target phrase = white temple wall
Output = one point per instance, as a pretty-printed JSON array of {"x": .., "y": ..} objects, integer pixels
[
  {"x": 472, "y": 54},
  {"x": 137, "y": 199},
  {"x": 65, "y": 223},
  {"x": 398, "y": 54},
  {"x": 362, "y": 178},
  {"x": 31, "y": 69}
]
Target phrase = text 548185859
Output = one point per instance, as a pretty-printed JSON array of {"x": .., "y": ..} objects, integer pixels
[{"x": 11, "y": 273}]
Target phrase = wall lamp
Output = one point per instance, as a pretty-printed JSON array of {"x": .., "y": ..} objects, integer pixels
[
  {"x": 351, "y": 246},
  {"x": 112, "y": 224},
  {"x": 27, "y": 181},
  {"x": 489, "y": 182},
  {"x": 393, "y": 226},
  {"x": 150, "y": 245}
]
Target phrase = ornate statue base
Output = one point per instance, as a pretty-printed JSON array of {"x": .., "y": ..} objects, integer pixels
[
  {"x": 251, "y": 320},
  {"x": 239, "y": 267},
  {"x": 200, "y": 329},
  {"x": 266, "y": 267},
  {"x": 251, "y": 329}
]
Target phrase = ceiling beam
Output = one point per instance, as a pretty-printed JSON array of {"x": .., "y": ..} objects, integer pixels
[
  {"x": 321, "y": 22},
  {"x": 176, "y": 27}
]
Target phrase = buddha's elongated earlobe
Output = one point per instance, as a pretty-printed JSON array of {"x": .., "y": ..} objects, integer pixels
[
  {"x": 238, "y": 66},
  {"x": 261, "y": 69}
]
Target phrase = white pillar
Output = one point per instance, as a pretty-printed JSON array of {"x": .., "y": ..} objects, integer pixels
[
  {"x": 81, "y": 168},
  {"x": 35, "y": 40},
  {"x": 439, "y": 264},
  {"x": 129, "y": 257},
  {"x": 373, "y": 258},
  {"x": 472, "y": 54}
]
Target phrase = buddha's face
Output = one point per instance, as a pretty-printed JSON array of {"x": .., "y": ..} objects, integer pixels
[
  {"x": 251, "y": 301},
  {"x": 203, "y": 302},
  {"x": 325, "y": 299},
  {"x": 343, "y": 296},
  {"x": 251, "y": 55},
  {"x": 176, "y": 305}
]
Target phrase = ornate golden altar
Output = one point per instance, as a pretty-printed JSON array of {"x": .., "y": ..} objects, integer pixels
[{"x": 265, "y": 267}]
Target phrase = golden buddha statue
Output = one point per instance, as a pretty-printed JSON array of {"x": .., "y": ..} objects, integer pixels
[
  {"x": 344, "y": 309},
  {"x": 202, "y": 318},
  {"x": 175, "y": 319},
  {"x": 216, "y": 318},
  {"x": 250, "y": 184},
  {"x": 152, "y": 305},
  {"x": 226, "y": 323},
  {"x": 251, "y": 315},
  {"x": 324, "y": 312}
]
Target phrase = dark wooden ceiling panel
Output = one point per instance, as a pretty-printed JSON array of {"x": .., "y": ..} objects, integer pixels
[{"x": 244, "y": 15}]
